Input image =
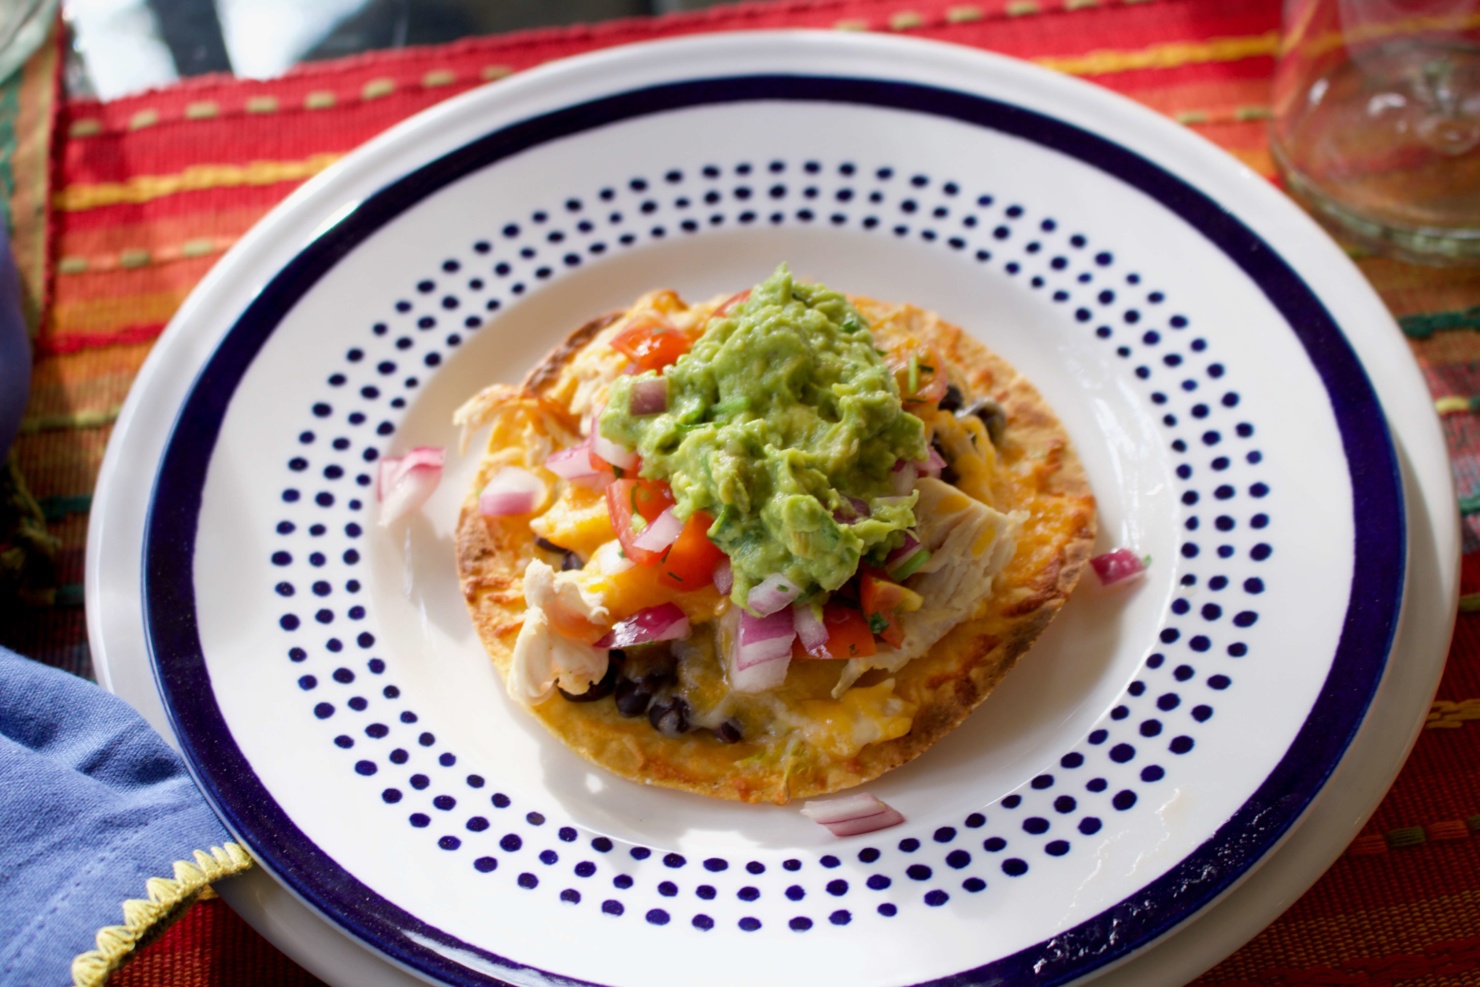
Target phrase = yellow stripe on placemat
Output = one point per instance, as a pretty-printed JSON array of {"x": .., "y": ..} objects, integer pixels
[
  {"x": 1446, "y": 714},
  {"x": 1166, "y": 56},
  {"x": 147, "y": 188}
]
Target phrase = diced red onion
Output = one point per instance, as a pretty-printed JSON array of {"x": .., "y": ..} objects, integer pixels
[
  {"x": 665, "y": 622},
  {"x": 510, "y": 492},
  {"x": 1117, "y": 566},
  {"x": 852, "y": 815},
  {"x": 774, "y": 593},
  {"x": 856, "y": 511},
  {"x": 619, "y": 456},
  {"x": 724, "y": 577},
  {"x": 403, "y": 483},
  {"x": 907, "y": 558},
  {"x": 810, "y": 629},
  {"x": 932, "y": 465},
  {"x": 573, "y": 463},
  {"x": 764, "y": 638},
  {"x": 662, "y": 532},
  {"x": 908, "y": 547},
  {"x": 761, "y": 677},
  {"x": 609, "y": 451},
  {"x": 903, "y": 477},
  {"x": 761, "y": 652},
  {"x": 650, "y": 396}
]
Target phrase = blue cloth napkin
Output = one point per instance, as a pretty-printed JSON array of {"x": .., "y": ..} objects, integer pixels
[{"x": 95, "y": 810}]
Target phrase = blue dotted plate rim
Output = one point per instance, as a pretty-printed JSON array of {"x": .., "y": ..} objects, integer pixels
[{"x": 1360, "y": 658}]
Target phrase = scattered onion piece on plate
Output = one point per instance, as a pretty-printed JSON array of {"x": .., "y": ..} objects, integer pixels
[
  {"x": 511, "y": 492},
  {"x": 403, "y": 483},
  {"x": 1119, "y": 566},
  {"x": 852, "y": 815}
]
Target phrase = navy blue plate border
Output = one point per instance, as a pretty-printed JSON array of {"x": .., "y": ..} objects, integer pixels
[{"x": 1357, "y": 666}]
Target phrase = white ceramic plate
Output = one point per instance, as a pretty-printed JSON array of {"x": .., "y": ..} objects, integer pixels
[{"x": 1203, "y": 344}]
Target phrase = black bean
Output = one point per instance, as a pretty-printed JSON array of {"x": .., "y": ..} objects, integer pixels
[
  {"x": 992, "y": 416},
  {"x": 670, "y": 717},
  {"x": 632, "y": 699},
  {"x": 598, "y": 690},
  {"x": 547, "y": 545},
  {"x": 953, "y": 399},
  {"x": 947, "y": 472},
  {"x": 571, "y": 561},
  {"x": 651, "y": 664},
  {"x": 729, "y": 731}
]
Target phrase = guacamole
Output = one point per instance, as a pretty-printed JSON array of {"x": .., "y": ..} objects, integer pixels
[{"x": 784, "y": 425}]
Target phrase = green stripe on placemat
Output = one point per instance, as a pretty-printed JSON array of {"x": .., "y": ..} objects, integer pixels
[
  {"x": 1469, "y": 603},
  {"x": 93, "y": 418},
  {"x": 57, "y": 507},
  {"x": 1407, "y": 836},
  {"x": 1424, "y": 325},
  {"x": 10, "y": 106}
]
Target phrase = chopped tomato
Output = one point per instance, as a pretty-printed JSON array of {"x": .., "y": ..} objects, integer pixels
[
  {"x": 630, "y": 499},
  {"x": 691, "y": 560},
  {"x": 651, "y": 344},
  {"x": 888, "y": 628},
  {"x": 879, "y": 595},
  {"x": 730, "y": 303},
  {"x": 882, "y": 601},
  {"x": 848, "y": 635}
]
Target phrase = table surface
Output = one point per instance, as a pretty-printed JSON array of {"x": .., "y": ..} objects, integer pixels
[{"x": 121, "y": 203}]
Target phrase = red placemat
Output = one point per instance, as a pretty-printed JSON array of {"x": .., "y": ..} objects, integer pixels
[{"x": 149, "y": 190}]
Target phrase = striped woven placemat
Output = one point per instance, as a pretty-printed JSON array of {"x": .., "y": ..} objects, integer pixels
[{"x": 146, "y": 192}]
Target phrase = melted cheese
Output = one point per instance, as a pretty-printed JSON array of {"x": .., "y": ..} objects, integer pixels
[
  {"x": 579, "y": 520},
  {"x": 861, "y": 716}
]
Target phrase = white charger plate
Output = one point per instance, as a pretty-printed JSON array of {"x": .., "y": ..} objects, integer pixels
[{"x": 1149, "y": 754}]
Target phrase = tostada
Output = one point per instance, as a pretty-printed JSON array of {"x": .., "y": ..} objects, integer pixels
[{"x": 767, "y": 546}]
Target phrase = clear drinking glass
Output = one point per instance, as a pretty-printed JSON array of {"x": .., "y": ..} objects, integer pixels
[{"x": 1376, "y": 123}]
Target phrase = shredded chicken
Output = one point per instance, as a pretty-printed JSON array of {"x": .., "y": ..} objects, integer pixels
[
  {"x": 546, "y": 656},
  {"x": 969, "y": 544}
]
